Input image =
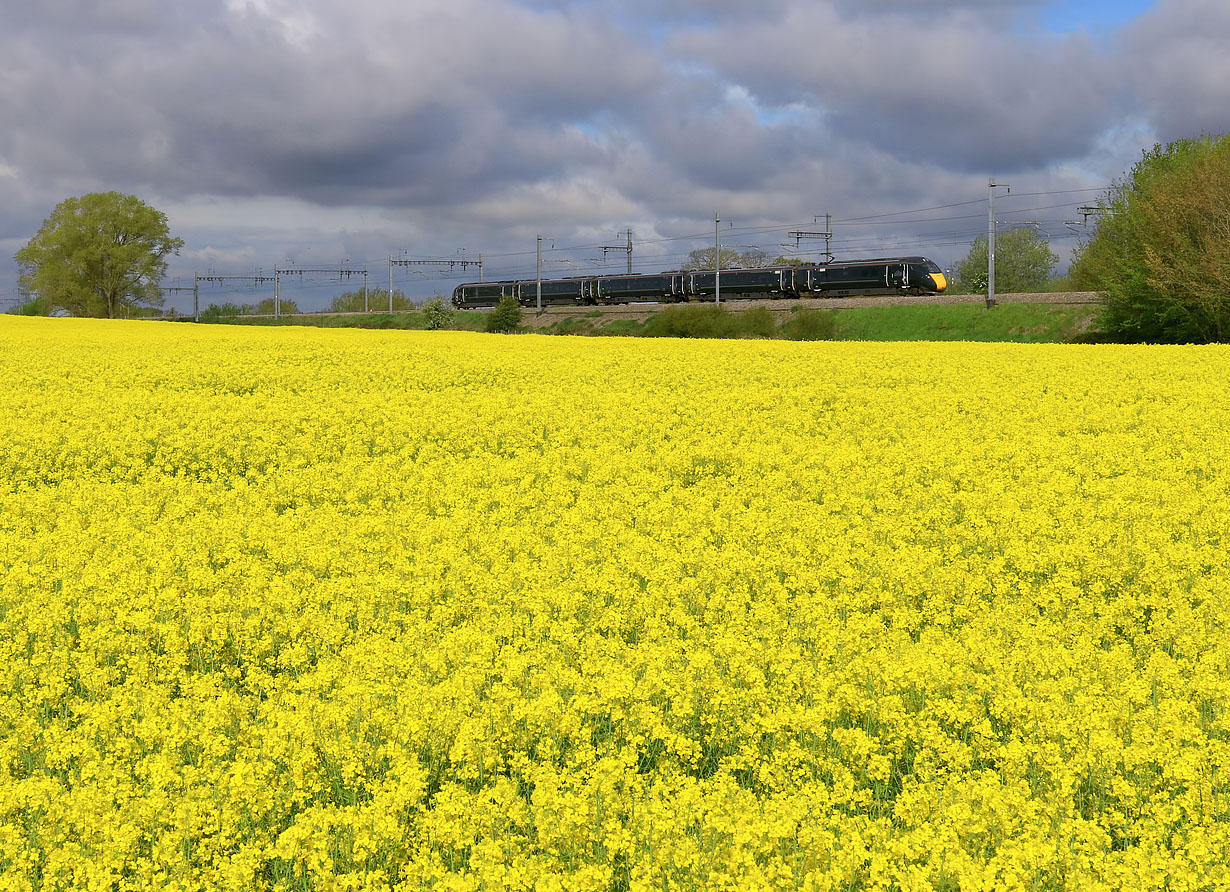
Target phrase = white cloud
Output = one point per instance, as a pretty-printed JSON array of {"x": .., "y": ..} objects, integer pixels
[{"x": 297, "y": 25}]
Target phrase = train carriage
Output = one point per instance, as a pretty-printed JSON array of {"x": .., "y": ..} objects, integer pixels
[
  {"x": 621, "y": 289},
  {"x": 893, "y": 275},
  {"x": 554, "y": 291},
  {"x": 481, "y": 294},
  {"x": 740, "y": 282}
]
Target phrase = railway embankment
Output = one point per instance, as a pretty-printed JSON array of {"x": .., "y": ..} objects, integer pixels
[{"x": 550, "y": 316}]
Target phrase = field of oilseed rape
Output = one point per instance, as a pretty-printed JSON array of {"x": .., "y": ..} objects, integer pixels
[{"x": 296, "y": 609}]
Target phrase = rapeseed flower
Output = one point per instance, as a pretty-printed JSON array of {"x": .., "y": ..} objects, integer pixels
[{"x": 305, "y": 609}]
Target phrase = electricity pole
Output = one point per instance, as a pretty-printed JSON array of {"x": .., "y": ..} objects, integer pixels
[
  {"x": 827, "y": 235},
  {"x": 196, "y": 315},
  {"x": 991, "y": 186},
  {"x": 627, "y": 248},
  {"x": 717, "y": 260},
  {"x": 540, "y": 263}
]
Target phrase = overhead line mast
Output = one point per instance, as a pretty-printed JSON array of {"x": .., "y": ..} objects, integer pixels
[
  {"x": 991, "y": 186},
  {"x": 255, "y": 280},
  {"x": 827, "y": 235},
  {"x": 196, "y": 314},
  {"x": 339, "y": 271},
  {"x": 627, "y": 248},
  {"x": 451, "y": 263}
]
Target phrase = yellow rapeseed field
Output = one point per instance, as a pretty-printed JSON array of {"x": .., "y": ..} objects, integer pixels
[{"x": 305, "y": 609}]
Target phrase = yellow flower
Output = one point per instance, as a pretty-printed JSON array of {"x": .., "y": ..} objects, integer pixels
[{"x": 291, "y": 608}]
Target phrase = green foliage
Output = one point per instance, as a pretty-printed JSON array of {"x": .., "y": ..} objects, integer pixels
[
  {"x": 710, "y": 321},
  {"x": 506, "y": 317},
  {"x": 702, "y": 259},
  {"x": 377, "y": 301},
  {"x": 216, "y": 312},
  {"x": 757, "y": 322},
  {"x": 437, "y": 314},
  {"x": 1161, "y": 251},
  {"x": 284, "y": 306},
  {"x": 570, "y": 325},
  {"x": 783, "y": 260},
  {"x": 102, "y": 254},
  {"x": 694, "y": 321},
  {"x": 1023, "y": 263},
  {"x": 806, "y": 324},
  {"x": 34, "y": 306}
]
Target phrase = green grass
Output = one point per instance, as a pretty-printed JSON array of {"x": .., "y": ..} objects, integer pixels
[
  {"x": 1021, "y": 323},
  {"x": 1015, "y": 322}
]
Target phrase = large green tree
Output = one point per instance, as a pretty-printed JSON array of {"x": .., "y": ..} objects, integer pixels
[
  {"x": 1023, "y": 263},
  {"x": 1160, "y": 252},
  {"x": 101, "y": 254},
  {"x": 702, "y": 259}
]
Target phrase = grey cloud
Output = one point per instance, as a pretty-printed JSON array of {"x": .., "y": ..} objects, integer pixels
[
  {"x": 950, "y": 91},
  {"x": 1179, "y": 66},
  {"x": 482, "y": 121},
  {"x": 443, "y": 112}
]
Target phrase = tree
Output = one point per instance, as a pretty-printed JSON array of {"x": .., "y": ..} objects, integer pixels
[
  {"x": 1023, "y": 262},
  {"x": 1160, "y": 252},
  {"x": 284, "y": 306},
  {"x": 506, "y": 316},
  {"x": 437, "y": 315},
  {"x": 34, "y": 306},
  {"x": 702, "y": 259},
  {"x": 216, "y": 312},
  {"x": 377, "y": 301},
  {"x": 102, "y": 254}
]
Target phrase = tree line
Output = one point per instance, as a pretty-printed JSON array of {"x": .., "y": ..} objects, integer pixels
[{"x": 1158, "y": 254}]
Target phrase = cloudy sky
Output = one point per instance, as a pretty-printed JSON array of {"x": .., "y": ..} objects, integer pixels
[{"x": 321, "y": 133}]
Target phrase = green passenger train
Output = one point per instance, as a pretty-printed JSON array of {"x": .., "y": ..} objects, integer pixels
[{"x": 894, "y": 275}]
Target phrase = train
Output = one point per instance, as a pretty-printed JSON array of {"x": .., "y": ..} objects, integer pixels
[{"x": 891, "y": 275}]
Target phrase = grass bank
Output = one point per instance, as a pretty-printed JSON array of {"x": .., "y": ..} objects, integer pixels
[
  {"x": 1015, "y": 322},
  {"x": 1009, "y": 322}
]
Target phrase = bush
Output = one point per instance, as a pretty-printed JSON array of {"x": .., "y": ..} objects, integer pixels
[
  {"x": 284, "y": 307},
  {"x": 711, "y": 321},
  {"x": 437, "y": 315},
  {"x": 506, "y": 317},
  {"x": 1159, "y": 253},
  {"x": 694, "y": 321},
  {"x": 756, "y": 322},
  {"x": 35, "y": 306},
  {"x": 377, "y": 301},
  {"x": 216, "y": 312},
  {"x": 806, "y": 324}
]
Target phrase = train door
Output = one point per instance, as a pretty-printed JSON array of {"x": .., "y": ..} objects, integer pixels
[{"x": 896, "y": 275}]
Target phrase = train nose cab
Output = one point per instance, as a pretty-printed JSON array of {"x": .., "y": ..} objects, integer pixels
[{"x": 937, "y": 276}]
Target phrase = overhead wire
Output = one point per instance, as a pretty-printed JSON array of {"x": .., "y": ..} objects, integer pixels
[{"x": 518, "y": 264}]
